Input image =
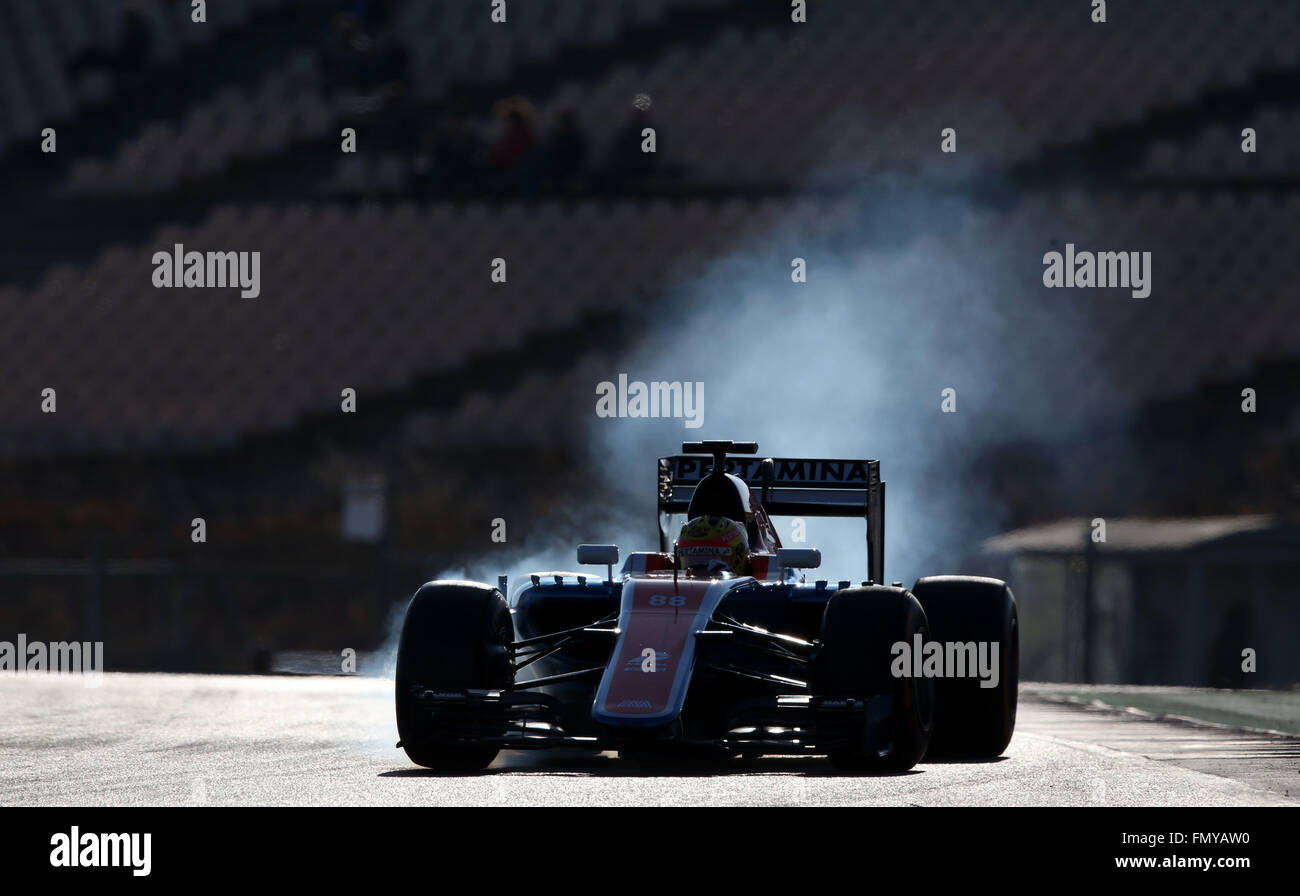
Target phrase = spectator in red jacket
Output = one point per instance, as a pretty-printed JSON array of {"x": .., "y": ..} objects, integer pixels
[{"x": 518, "y": 135}]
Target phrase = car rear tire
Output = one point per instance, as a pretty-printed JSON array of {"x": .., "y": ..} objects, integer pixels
[
  {"x": 973, "y": 722},
  {"x": 859, "y": 629},
  {"x": 454, "y": 636}
]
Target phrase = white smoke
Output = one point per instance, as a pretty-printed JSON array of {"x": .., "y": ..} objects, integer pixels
[{"x": 908, "y": 295}]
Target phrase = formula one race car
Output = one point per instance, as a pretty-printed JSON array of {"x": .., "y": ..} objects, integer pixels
[{"x": 716, "y": 642}]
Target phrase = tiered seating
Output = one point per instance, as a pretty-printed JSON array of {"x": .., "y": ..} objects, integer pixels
[
  {"x": 1215, "y": 150},
  {"x": 456, "y": 41},
  {"x": 960, "y": 304},
  {"x": 821, "y": 101},
  {"x": 449, "y": 42},
  {"x": 375, "y": 296},
  {"x": 1221, "y": 269},
  {"x": 288, "y": 106},
  {"x": 818, "y": 102},
  {"x": 367, "y": 297},
  {"x": 38, "y": 39}
]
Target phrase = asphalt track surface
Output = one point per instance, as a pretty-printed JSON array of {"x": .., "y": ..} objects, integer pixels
[{"x": 140, "y": 739}]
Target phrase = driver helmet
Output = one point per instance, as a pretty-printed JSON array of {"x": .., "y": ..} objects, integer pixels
[{"x": 712, "y": 544}]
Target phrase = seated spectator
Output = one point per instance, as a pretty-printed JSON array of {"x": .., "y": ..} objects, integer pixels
[
  {"x": 341, "y": 59},
  {"x": 517, "y": 136},
  {"x": 566, "y": 151},
  {"x": 385, "y": 62},
  {"x": 557, "y": 161},
  {"x": 627, "y": 164},
  {"x": 449, "y": 152}
]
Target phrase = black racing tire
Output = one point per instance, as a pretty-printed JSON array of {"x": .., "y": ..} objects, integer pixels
[
  {"x": 973, "y": 722},
  {"x": 454, "y": 636},
  {"x": 859, "y": 629}
]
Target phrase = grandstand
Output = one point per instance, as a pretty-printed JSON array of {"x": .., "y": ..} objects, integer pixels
[{"x": 478, "y": 140}]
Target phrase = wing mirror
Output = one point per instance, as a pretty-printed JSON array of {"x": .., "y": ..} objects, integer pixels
[
  {"x": 798, "y": 558},
  {"x": 598, "y": 555}
]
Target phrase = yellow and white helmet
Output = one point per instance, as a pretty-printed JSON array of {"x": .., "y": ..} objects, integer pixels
[{"x": 712, "y": 544}]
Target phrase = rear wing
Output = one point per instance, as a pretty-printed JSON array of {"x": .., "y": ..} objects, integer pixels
[{"x": 788, "y": 487}]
